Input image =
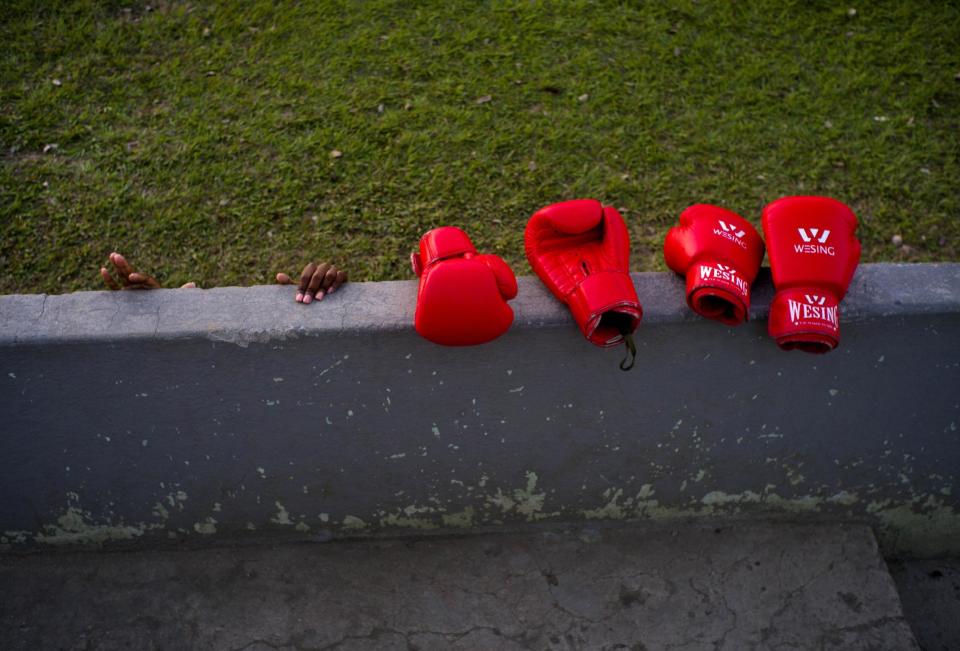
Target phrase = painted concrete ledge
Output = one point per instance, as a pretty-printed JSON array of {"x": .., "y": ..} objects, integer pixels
[
  {"x": 266, "y": 314},
  {"x": 180, "y": 416}
]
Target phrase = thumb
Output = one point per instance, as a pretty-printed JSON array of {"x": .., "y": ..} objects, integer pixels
[
  {"x": 571, "y": 217},
  {"x": 506, "y": 281}
]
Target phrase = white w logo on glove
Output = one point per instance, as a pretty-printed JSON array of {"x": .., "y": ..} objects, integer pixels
[
  {"x": 730, "y": 228},
  {"x": 813, "y": 235}
]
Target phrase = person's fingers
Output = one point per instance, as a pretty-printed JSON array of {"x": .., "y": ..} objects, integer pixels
[
  {"x": 316, "y": 281},
  {"x": 129, "y": 279},
  {"x": 122, "y": 266},
  {"x": 190, "y": 285},
  {"x": 142, "y": 281},
  {"x": 313, "y": 289},
  {"x": 305, "y": 277},
  {"x": 108, "y": 279},
  {"x": 341, "y": 278},
  {"x": 328, "y": 279}
]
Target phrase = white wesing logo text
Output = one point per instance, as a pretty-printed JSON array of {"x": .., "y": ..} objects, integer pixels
[
  {"x": 813, "y": 310},
  {"x": 814, "y": 241},
  {"x": 730, "y": 232},
  {"x": 723, "y": 272}
]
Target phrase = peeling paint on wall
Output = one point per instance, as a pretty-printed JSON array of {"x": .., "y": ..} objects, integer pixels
[
  {"x": 521, "y": 500},
  {"x": 77, "y": 527},
  {"x": 460, "y": 519},
  {"x": 282, "y": 516},
  {"x": 925, "y": 525},
  {"x": 206, "y": 528},
  {"x": 353, "y": 523}
]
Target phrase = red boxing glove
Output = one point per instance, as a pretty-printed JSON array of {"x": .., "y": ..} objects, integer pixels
[
  {"x": 581, "y": 251},
  {"x": 813, "y": 254},
  {"x": 462, "y": 296},
  {"x": 720, "y": 253}
]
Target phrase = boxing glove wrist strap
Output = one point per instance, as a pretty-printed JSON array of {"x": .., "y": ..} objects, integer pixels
[
  {"x": 717, "y": 291},
  {"x": 599, "y": 294},
  {"x": 805, "y": 317}
]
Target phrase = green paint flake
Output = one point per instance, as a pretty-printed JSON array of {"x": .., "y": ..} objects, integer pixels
[
  {"x": 206, "y": 528},
  {"x": 400, "y": 521},
  {"x": 460, "y": 519},
  {"x": 282, "y": 516},
  {"x": 161, "y": 511},
  {"x": 353, "y": 523},
  {"x": 525, "y": 501},
  {"x": 76, "y": 527},
  {"x": 613, "y": 509}
]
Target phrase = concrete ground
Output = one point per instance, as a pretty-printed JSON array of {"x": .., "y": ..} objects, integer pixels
[
  {"x": 930, "y": 594},
  {"x": 752, "y": 586}
]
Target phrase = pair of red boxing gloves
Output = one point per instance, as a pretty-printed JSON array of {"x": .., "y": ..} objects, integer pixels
[
  {"x": 813, "y": 255},
  {"x": 580, "y": 249}
]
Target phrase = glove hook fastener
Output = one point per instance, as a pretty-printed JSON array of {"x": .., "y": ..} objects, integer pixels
[{"x": 631, "y": 352}]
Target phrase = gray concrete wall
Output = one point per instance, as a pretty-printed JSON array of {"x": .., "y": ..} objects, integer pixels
[{"x": 206, "y": 415}]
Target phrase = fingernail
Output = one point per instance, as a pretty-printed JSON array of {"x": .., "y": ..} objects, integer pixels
[
  {"x": 320, "y": 296},
  {"x": 331, "y": 290},
  {"x": 299, "y": 298},
  {"x": 307, "y": 299}
]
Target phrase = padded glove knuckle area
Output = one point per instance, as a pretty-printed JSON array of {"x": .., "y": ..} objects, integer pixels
[
  {"x": 811, "y": 241},
  {"x": 567, "y": 218},
  {"x": 460, "y": 304},
  {"x": 812, "y": 207},
  {"x": 461, "y": 300},
  {"x": 723, "y": 234},
  {"x": 572, "y": 217}
]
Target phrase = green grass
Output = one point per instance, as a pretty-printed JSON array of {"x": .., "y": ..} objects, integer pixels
[{"x": 196, "y": 138}]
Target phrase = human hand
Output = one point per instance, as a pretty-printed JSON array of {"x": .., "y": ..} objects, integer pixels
[
  {"x": 129, "y": 278},
  {"x": 316, "y": 281}
]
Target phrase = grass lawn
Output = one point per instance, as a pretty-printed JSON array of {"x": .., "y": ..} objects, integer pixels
[{"x": 197, "y": 138}]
